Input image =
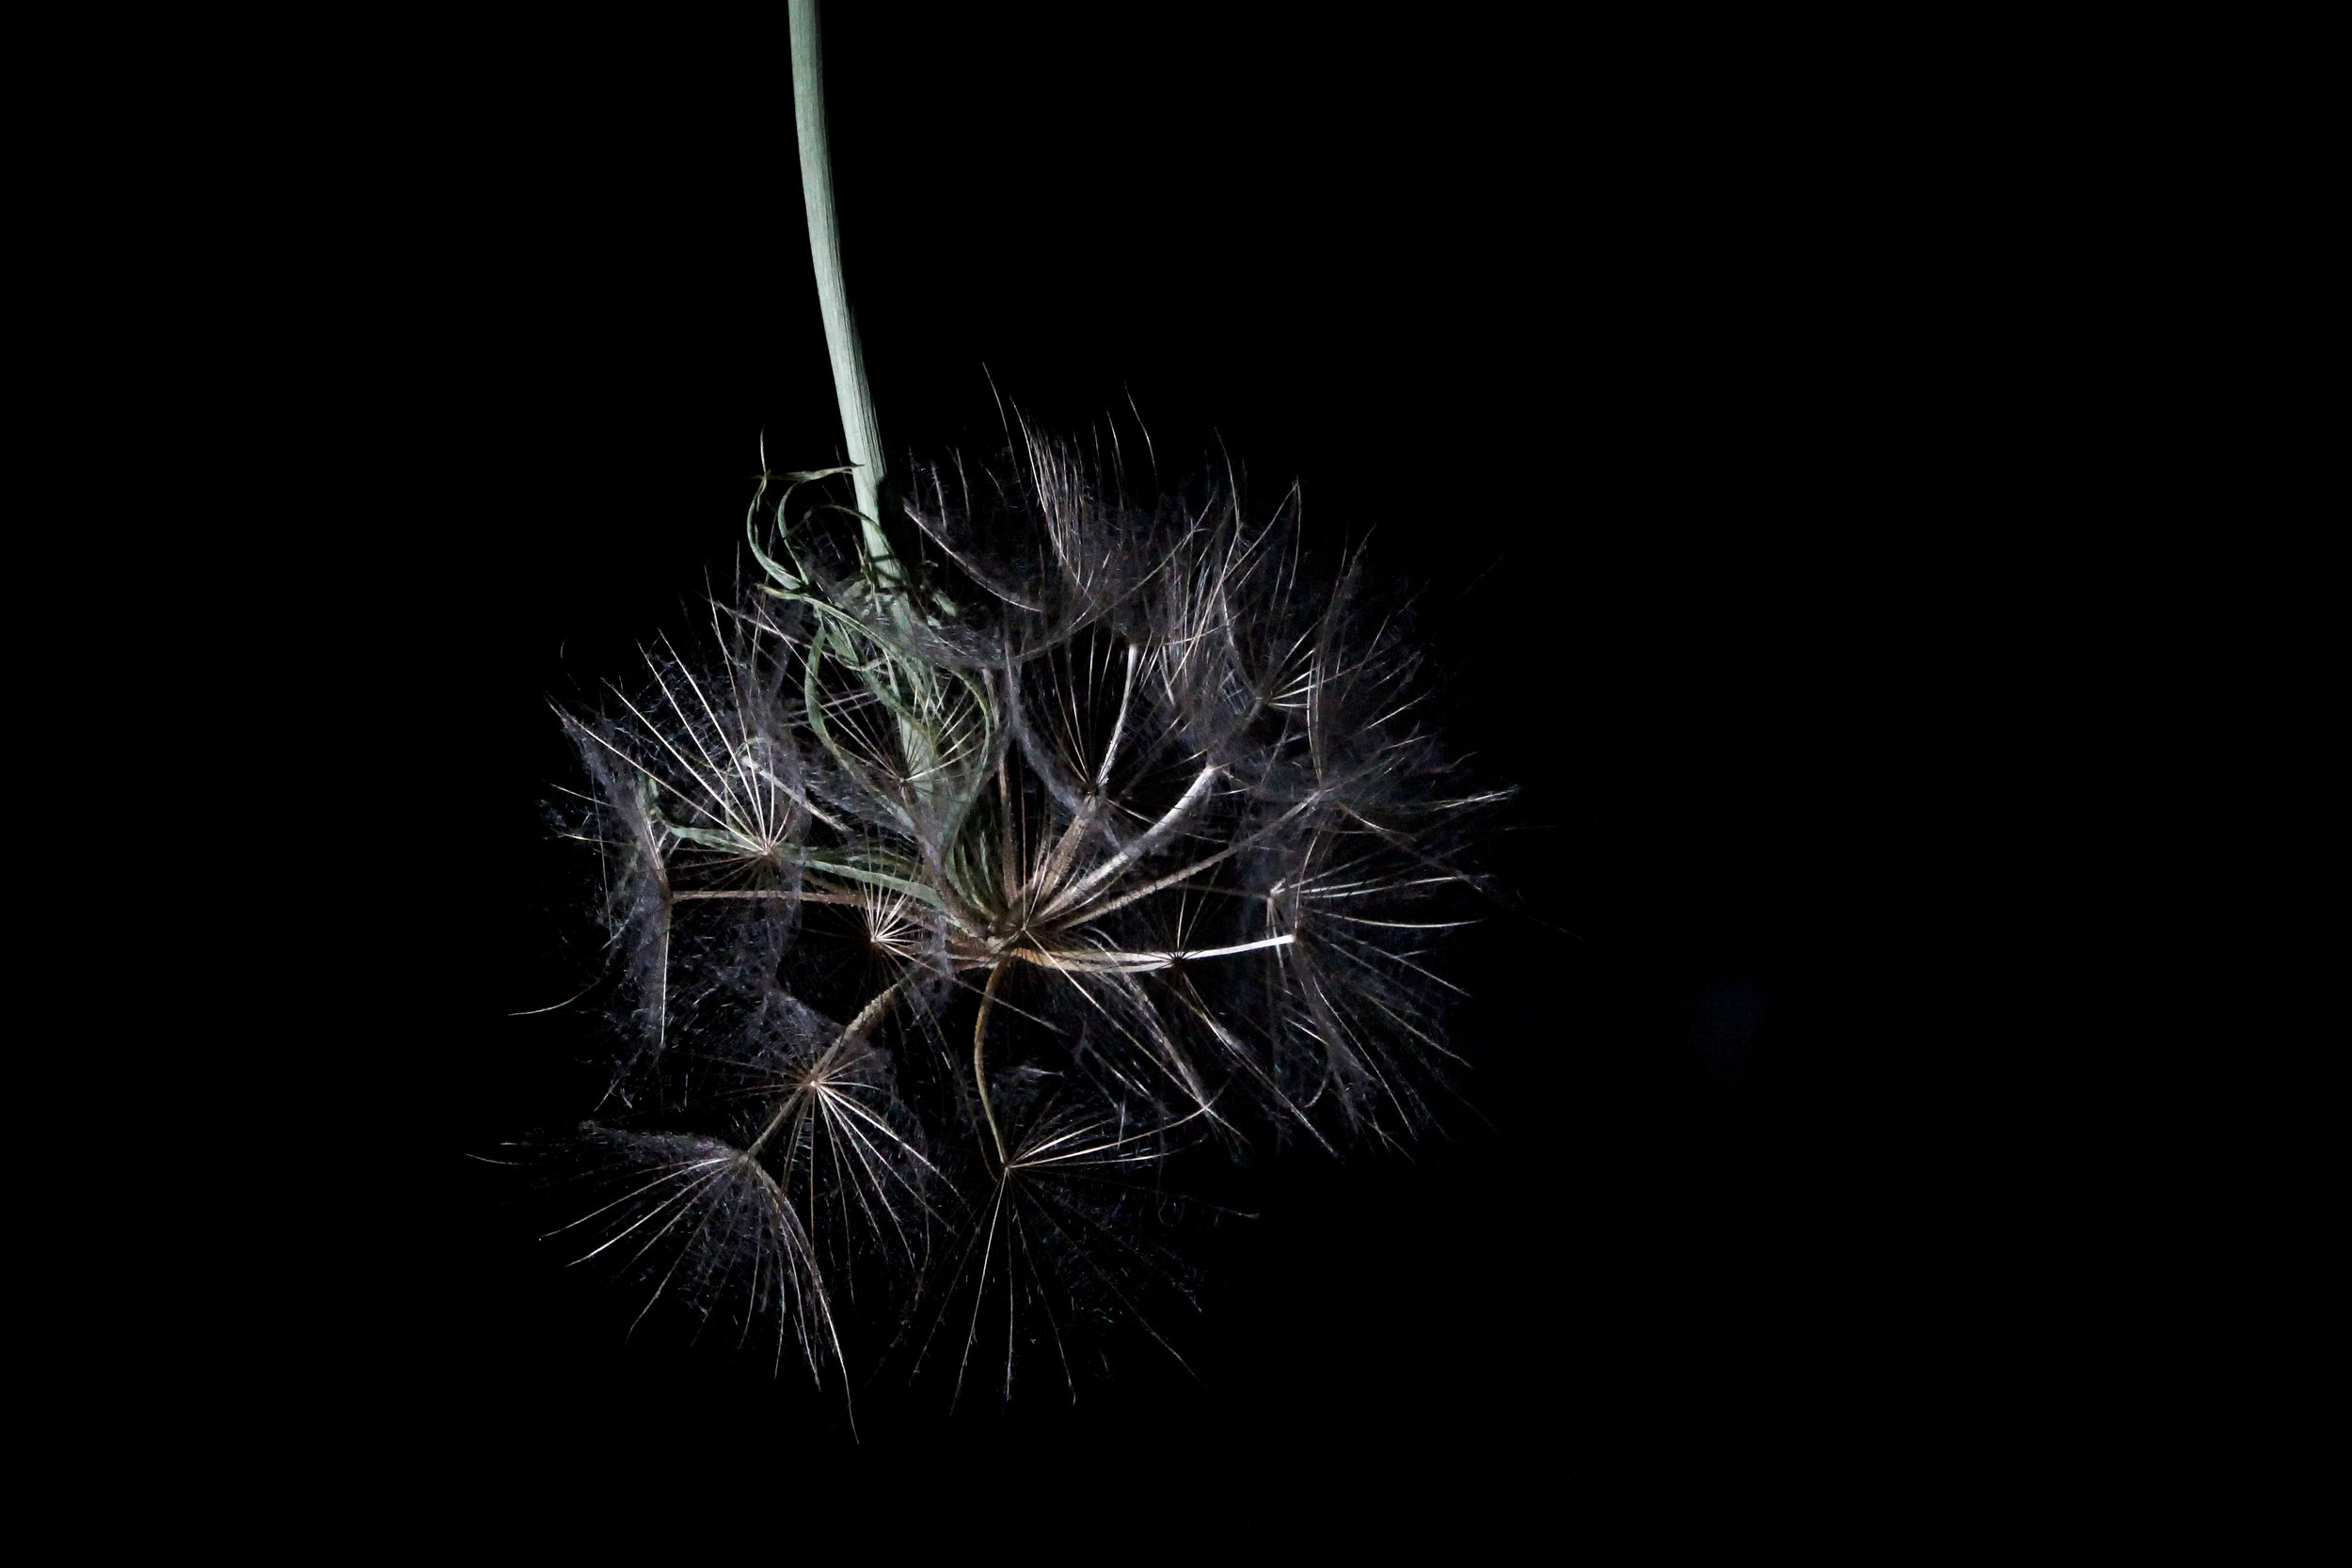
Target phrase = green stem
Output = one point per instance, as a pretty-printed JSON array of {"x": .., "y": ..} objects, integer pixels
[{"x": 859, "y": 428}]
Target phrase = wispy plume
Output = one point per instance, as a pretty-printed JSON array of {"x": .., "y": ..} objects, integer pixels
[{"x": 947, "y": 904}]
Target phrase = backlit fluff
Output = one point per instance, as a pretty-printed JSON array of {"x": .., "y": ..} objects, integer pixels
[{"x": 954, "y": 888}]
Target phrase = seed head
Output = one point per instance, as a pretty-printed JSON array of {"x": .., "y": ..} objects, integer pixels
[{"x": 948, "y": 901}]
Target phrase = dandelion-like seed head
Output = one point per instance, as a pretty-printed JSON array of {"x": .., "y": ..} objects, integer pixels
[{"x": 950, "y": 900}]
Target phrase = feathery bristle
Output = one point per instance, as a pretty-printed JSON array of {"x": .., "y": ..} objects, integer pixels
[{"x": 949, "y": 902}]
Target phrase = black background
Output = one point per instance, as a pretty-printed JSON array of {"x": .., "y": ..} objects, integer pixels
[{"x": 1645, "y": 358}]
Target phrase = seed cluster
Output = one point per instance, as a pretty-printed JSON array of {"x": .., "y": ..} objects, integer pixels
[{"x": 954, "y": 888}]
